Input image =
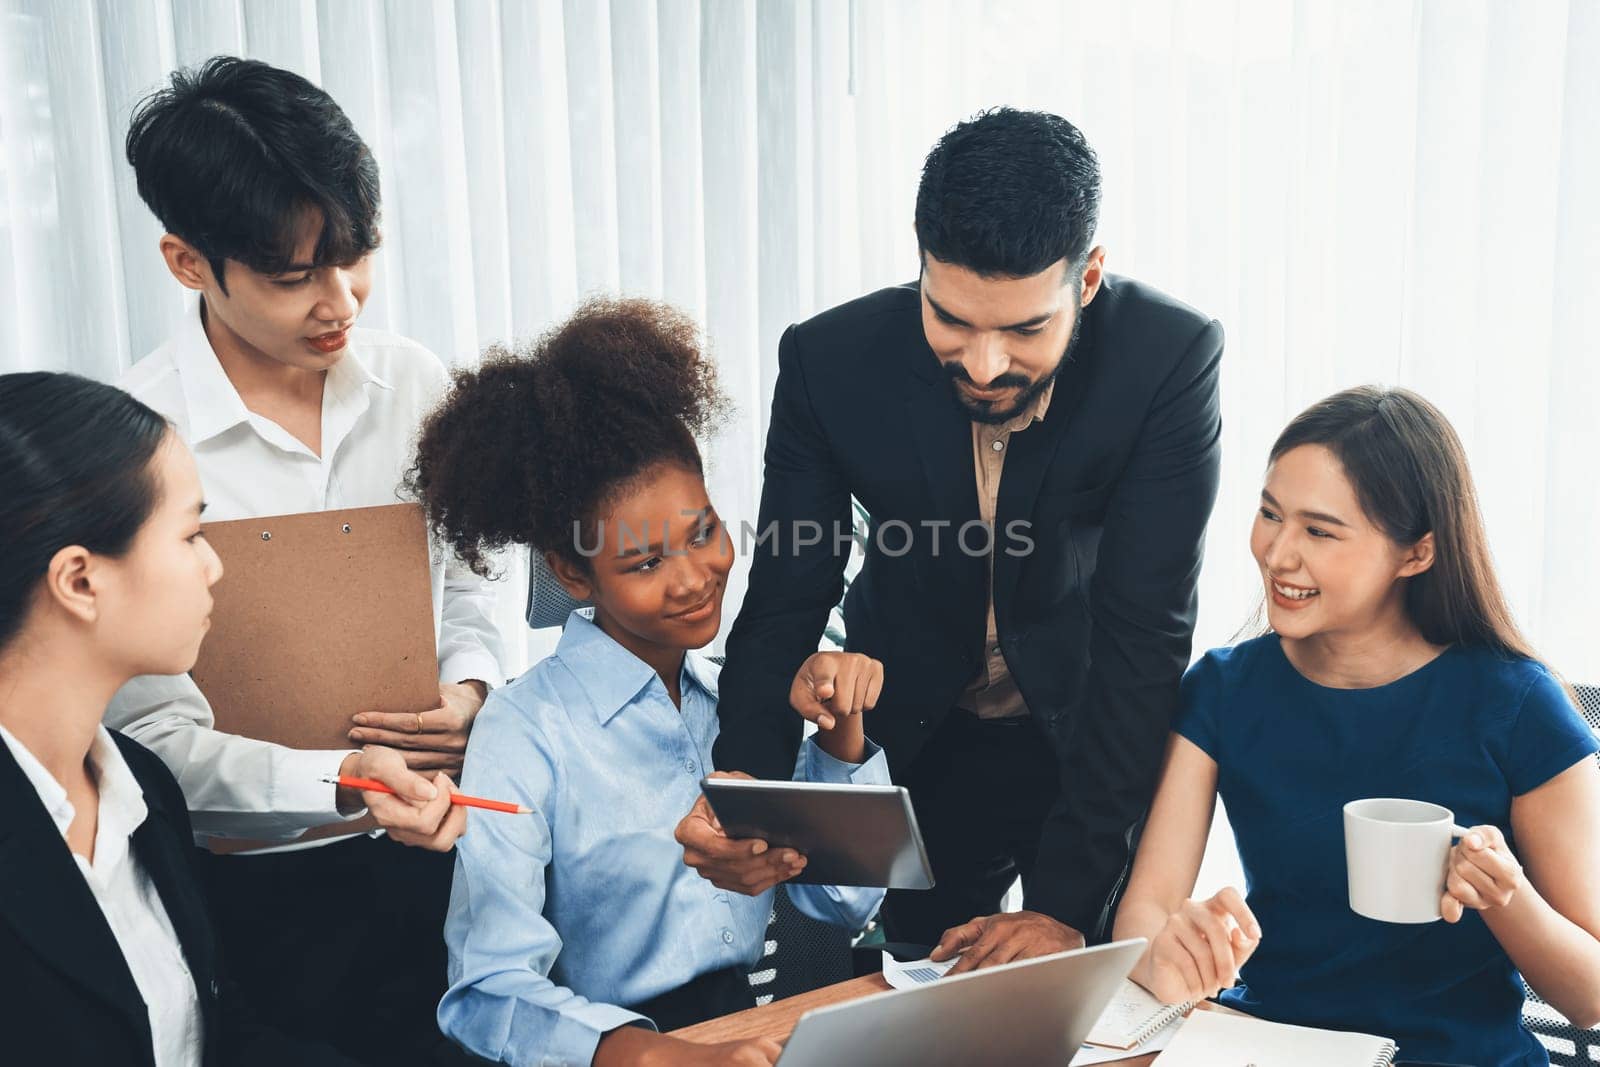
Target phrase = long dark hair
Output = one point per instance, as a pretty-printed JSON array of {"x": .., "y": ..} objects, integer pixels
[
  {"x": 74, "y": 470},
  {"x": 1410, "y": 474}
]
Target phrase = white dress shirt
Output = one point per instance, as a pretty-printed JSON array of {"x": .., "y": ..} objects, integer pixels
[
  {"x": 373, "y": 401},
  {"x": 125, "y": 893}
]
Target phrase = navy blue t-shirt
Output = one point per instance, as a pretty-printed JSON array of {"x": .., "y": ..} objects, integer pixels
[{"x": 1469, "y": 730}]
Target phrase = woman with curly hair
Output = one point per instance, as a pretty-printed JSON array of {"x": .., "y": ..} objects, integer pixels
[{"x": 576, "y": 931}]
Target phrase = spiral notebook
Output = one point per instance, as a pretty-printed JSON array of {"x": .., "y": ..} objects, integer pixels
[
  {"x": 1132, "y": 1018},
  {"x": 1215, "y": 1039}
]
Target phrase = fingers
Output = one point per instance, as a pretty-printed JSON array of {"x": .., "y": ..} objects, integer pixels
[
  {"x": 399, "y": 722},
  {"x": 957, "y": 939},
  {"x": 977, "y": 954},
  {"x": 436, "y": 824},
  {"x": 432, "y": 740},
  {"x": 833, "y": 684},
  {"x": 1482, "y": 873},
  {"x": 735, "y": 864},
  {"x": 1006, "y": 951},
  {"x": 1194, "y": 983},
  {"x": 1450, "y": 908},
  {"x": 804, "y": 698},
  {"x": 1231, "y": 900},
  {"x": 423, "y": 761},
  {"x": 397, "y": 816},
  {"x": 1485, "y": 861},
  {"x": 853, "y": 682},
  {"x": 1244, "y": 946},
  {"x": 454, "y": 823},
  {"x": 752, "y": 877},
  {"x": 1464, "y": 891},
  {"x": 387, "y": 766},
  {"x": 1188, "y": 936},
  {"x": 1218, "y": 935}
]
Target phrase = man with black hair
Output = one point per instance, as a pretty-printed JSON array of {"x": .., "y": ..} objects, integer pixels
[
  {"x": 1037, "y": 442},
  {"x": 270, "y": 203}
]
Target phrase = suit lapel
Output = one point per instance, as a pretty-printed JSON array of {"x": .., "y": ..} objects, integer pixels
[
  {"x": 944, "y": 444},
  {"x": 159, "y": 845},
  {"x": 1029, "y": 455},
  {"x": 44, "y": 897},
  {"x": 943, "y": 435}
]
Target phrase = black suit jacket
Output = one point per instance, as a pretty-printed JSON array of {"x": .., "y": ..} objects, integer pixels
[
  {"x": 66, "y": 994},
  {"x": 1095, "y": 621}
]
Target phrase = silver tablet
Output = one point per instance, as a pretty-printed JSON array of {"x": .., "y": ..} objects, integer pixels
[{"x": 864, "y": 835}]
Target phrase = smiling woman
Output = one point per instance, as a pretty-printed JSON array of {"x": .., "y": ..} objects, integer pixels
[
  {"x": 583, "y": 445},
  {"x": 1393, "y": 669}
]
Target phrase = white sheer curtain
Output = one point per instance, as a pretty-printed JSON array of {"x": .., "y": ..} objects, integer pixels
[{"x": 1365, "y": 191}]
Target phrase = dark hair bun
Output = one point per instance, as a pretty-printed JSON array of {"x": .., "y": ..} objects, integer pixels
[
  {"x": 75, "y": 469},
  {"x": 539, "y": 436}
]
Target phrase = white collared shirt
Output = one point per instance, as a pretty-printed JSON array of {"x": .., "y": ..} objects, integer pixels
[
  {"x": 126, "y": 895},
  {"x": 374, "y": 400}
]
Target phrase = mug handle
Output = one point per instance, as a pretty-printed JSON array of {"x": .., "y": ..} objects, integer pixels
[{"x": 1458, "y": 831}]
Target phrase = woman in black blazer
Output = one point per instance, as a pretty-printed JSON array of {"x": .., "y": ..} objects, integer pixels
[{"x": 106, "y": 950}]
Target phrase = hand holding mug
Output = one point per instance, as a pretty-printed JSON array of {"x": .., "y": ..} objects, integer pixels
[
  {"x": 1403, "y": 868},
  {"x": 1481, "y": 874}
]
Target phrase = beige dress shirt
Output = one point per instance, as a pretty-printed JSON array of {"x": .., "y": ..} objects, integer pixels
[{"x": 993, "y": 693}]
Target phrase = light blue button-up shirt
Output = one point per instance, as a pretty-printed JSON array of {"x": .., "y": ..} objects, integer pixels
[{"x": 558, "y": 918}]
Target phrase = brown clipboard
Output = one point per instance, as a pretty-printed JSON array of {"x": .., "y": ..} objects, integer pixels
[{"x": 318, "y": 616}]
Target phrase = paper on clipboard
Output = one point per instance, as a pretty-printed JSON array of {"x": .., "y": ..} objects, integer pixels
[{"x": 319, "y": 616}]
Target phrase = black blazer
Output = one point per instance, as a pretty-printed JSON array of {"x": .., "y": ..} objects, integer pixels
[
  {"x": 66, "y": 994},
  {"x": 1095, "y": 618}
]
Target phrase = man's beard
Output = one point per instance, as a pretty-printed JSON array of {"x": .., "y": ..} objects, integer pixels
[{"x": 985, "y": 411}]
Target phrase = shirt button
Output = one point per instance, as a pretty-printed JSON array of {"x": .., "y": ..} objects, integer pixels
[
  {"x": 998, "y": 446},
  {"x": 995, "y": 651},
  {"x": 688, "y": 765},
  {"x": 727, "y": 937},
  {"x": 216, "y": 989}
]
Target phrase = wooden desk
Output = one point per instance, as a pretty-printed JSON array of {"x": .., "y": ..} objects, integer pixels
[{"x": 778, "y": 1019}]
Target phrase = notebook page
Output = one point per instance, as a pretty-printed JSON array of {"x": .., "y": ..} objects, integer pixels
[
  {"x": 1132, "y": 1014},
  {"x": 1213, "y": 1039}
]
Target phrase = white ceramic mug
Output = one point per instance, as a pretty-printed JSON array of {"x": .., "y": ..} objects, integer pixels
[{"x": 1397, "y": 852}]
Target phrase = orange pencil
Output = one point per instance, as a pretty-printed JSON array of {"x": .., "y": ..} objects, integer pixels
[{"x": 455, "y": 798}]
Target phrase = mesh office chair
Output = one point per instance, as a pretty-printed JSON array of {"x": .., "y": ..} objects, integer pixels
[
  {"x": 1568, "y": 1045},
  {"x": 801, "y": 953},
  {"x": 548, "y": 603}
]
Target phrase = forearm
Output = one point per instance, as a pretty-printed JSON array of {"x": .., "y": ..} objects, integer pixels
[
  {"x": 846, "y": 742},
  {"x": 636, "y": 1046},
  {"x": 1141, "y": 916},
  {"x": 1557, "y": 957}
]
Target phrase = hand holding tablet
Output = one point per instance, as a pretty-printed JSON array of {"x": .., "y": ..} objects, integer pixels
[{"x": 856, "y": 835}]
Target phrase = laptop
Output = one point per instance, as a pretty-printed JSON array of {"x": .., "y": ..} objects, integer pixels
[{"x": 1035, "y": 1011}]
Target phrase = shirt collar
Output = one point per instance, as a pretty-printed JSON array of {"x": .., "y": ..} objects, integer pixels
[
  {"x": 214, "y": 405},
  {"x": 611, "y": 675},
  {"x": 1036, "y": 411},
  {"x": 122, "y": 806}
]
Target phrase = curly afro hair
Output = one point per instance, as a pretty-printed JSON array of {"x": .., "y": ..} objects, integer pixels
[{"x": 541, "y": 437}]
